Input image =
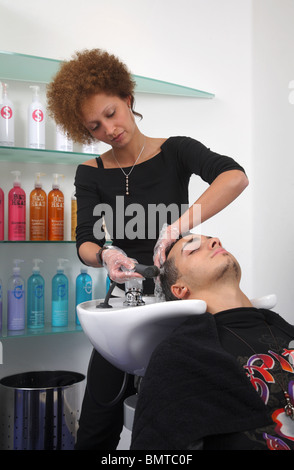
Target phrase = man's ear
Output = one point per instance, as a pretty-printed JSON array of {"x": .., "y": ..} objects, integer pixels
[{"x": 180, "y": 292}]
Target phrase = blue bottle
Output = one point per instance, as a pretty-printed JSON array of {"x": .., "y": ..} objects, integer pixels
[
  {"x": 36, "y": 298},
  {"x": 60, "y": 296},
  {"x": 16, "y": 299},
  {"x": 83, "y": 289}
]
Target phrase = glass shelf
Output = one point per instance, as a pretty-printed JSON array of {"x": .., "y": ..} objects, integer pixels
[
  {"x": 29, "y": 68},
  {"x": 46, "y": 331},
  {"x": 52, "y": 157}
]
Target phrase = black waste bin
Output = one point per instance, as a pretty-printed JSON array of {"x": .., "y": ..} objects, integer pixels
[{"x": 40, "y": 410}]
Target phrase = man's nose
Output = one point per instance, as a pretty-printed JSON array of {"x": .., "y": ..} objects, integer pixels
[{"x": 214, "y": 242}]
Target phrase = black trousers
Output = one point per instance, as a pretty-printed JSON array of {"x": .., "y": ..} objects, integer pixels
[{"x": 101, "y": 419}]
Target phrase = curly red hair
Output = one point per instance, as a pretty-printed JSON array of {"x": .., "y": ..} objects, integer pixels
[{"x": 89, "y": 72}]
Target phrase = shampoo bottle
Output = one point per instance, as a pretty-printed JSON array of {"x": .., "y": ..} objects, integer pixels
[
  {"x": 6, "y": 119},
  {"x": 83, "y": 289},
  {"x": 63, "y": 142},
  {"x": 16, "y": 299},
  {"x": 73, "y": 216},
  {"x": 55, "y": 211},
  {"x": 1, "y": 214},
  {"x": 16, "y": 211},
  {"x": 60, "y": 296},
  {"x": 36, "y": 124},
  {"x": 36, "y": 297},
  {"x": 38, "y": 211}
]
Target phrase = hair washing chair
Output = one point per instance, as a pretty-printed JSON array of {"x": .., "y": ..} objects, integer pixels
[{"x": 126, "y": 329}]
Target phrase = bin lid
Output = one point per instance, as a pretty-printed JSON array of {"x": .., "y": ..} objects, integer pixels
[{"x": 42, "y": 379}]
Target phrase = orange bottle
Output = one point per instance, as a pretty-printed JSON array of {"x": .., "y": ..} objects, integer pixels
[
  {"x": 55, "y": 211},
  {"x": 38, "y": 211}
]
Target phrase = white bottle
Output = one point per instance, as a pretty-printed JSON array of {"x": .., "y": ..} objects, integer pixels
[
  {"x": 63, "y": 143},
  {"x": 36, "y": 124},
  {"x": 6, "y": 119},
  {"x": 91, "y": 148}
]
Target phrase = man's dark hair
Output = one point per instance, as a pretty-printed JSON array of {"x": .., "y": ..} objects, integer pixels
[{"x": 169, "y": 275}]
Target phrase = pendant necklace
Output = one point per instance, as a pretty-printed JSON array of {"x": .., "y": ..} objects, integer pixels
[
  {"x": 289, "y": 407},
  {"x": 128, "y": 174}
]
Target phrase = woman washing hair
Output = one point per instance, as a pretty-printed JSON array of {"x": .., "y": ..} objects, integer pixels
[{"x": 92, "y": 99}]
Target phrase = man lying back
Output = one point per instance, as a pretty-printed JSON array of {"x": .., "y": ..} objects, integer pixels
[{"x": 222, "y": 380}]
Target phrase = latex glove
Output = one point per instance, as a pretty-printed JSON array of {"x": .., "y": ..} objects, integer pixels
[
  {"x": 168, "y": 235},
  {"x": 119, "y": 266}
]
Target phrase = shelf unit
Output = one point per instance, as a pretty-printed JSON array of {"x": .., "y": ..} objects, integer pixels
[{"x": 27, "y": 68}]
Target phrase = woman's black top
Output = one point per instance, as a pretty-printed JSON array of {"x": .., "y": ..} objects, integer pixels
[{"x": 158, "y": 194}]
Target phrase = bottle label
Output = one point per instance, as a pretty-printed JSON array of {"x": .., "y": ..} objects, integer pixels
[
  {"x": 18, "y": 200},
  {"x": 6, "y": 112},
  {"x": 18, "y": 292},
  {"x": 38, "y": 115},
  {"x": 39, "y": 291},
  {"x": 61, "y": 289}
]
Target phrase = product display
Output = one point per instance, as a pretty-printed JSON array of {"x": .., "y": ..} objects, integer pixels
[
  {"x": 6, "y": 119},
  {"x": 60, "y": 296},
  {"x": 55, "y": 211},
  {"x": 38, "y": 211},
  {"x": 2, "y": 212},
  {"x": 16, "y": 299},
  {"x": 36, "y": 121},
  {"x": 36, "y": 298},
  {"x": 83, "y": 289},
  {"x": 16, "y": 210}
]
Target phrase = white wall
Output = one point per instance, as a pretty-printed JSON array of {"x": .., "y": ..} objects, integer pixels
[
  {"x": 273, "y": 162},
  {"x": 238, "y": 49}
]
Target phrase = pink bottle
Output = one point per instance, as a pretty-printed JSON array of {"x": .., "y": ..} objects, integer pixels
[
  {"x": 1, "y": 214},
  {"x": 16, "y": 211}
]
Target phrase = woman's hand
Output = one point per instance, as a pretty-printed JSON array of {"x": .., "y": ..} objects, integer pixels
[
  {"x": 120, "y": 268},
  {"x": 168, "y": 235}
]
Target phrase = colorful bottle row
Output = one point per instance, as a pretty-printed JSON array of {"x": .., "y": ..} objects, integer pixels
[
  {"x": 46, "y": 214},
  {"x": 16, "y": 294},
  {"x": 36, "y": 125}
]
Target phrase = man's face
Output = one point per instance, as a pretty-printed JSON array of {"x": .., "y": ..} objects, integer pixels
[{"x": 201, "y": 262}]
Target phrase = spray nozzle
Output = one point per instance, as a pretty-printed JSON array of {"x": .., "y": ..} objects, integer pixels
[
  {"x": 55, "y": 184},
  {"x": 36, "y": 268},
  {"x": 16, "y": 262},
  {"x": 60, "y": 267},
  {"x": 4, "y": 88},
  {"x": 16, "y": 178},
  {"x": 38, "y": 176},
  {"x": 36, "y": 90}
]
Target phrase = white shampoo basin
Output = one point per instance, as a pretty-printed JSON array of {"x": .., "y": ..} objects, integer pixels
[{"x": 127, "y": 336}]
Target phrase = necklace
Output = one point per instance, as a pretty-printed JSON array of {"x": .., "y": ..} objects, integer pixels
[
  {"x": 128, "y": 174},
  {"x": 289, "y": 407}
]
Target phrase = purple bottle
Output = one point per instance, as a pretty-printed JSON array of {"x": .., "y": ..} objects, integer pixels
[{"x": 16, "y": 300}]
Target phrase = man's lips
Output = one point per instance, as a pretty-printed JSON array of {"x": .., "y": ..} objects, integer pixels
[{"x": 218, "y": 251}]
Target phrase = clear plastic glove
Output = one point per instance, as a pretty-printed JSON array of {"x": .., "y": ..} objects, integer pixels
[
  {"x": 167, "y": 236},
  {"x": 119, "y": 266}
]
